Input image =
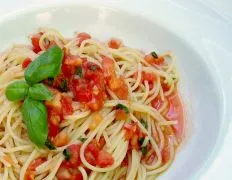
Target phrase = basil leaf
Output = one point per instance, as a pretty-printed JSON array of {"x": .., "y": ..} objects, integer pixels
[
  {"x": 153, "y": 53},
  {"x": 17, "y": 91},
  {"x": 63, "y": 86},
  {"x": 47, "y": 65},
  {"x": 67, "y": 154},
  {"x": 93, "y": 68},
  {"x": 82, "y": 139},
  {"x": 35, "y": 118},
  {"x": 144, "y": 123},
  {"x": 144, "y": 150},
  {"x": 79, "y": 72},
  {"x": 141, "y": 140},
  {"x": 40, "y": 92},
  {"x": 50, "y": 145},
  {"x": 121, "y": 106}
]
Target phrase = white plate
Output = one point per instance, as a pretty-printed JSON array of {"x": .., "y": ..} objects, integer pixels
[{"x": 200, "y": 86}]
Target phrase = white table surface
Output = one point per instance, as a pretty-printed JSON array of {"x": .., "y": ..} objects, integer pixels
[{"x": 212, "y": 20}]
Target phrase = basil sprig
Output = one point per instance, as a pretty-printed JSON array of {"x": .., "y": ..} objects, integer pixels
[
  {"x": 35, "y": 119},
  {"x": 34, "y": 112},
  {"x": 47, "y": 65},
  {"x": 40, "y": 92},
  {"x": 17, "y": 90}
]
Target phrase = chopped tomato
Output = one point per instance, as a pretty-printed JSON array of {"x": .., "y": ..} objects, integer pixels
[
  {"x": 152, "y": 60},
  {"x": 82, "y": 37},
  {"x": 122, "y": 92},
  {"x": 91, "y": 88},
  {"x": 74, "y": 160},
  {"x": 104, "y": 159},
  {"x": 175, "y": 112},
  {"x": 121, "y": 114},
  {"x": 130, "y": 129},
  {"x": 35, "y": 42},
  {"x": 150, "y": 77},
  {"x": 63, "y": 174},
  {"x": 157, "y": 103},
  {"x": 114, "y": 43},
  {"x": 61, "y": 139},
  {"x": 68, "y": 70},
  {"x": 108, "y": 66},
  {"x": 101, "y": 143},
  {"x": 70, "y": 64},
  {"x": 68, "y": 174},
  {"x": 53, "y": 130},
  {"x": 30, "y": 172},
  {"x": 66, "y": 103},
  {"x": 165, "y": 154},
  {"x": 165, "y": 86},
  {"x": 125, "y": 161},
  {"x": 134, "y": 142},
  {"x": 73, "y": 60},
  {"x": 115, "y": 83},
  {"x": 26, "y": 63},
  {"x": 81, "y": 90},
  {"x": 96, "y": 120}
]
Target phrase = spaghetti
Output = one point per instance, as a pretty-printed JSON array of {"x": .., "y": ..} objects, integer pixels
[{"x": 112, "y": 112}]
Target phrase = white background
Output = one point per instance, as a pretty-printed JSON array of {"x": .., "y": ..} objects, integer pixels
[{"x": 206, "y": 24}]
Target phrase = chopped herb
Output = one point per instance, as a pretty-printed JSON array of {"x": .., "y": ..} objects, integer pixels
[
  {"x": 153, "y": 53},
  {"x": 63, "y": 86},
  {"x": 141, "y": 140},
  {"x": 121, "y": 106},
  {"x": 144, "y": 123},
  {"x": 144, "y": 150},
  {"x": 79, "y": 71},
  {"x": 82, "y": 139},
  {"x": 50, "y": 81},
  {"x": 50, "y": 145},
  {"x": 67, "y": 154},
  {"x": 93, "y": 68}
]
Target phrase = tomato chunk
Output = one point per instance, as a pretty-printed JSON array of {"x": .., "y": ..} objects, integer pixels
[
  {"x": 66, "y": 103},
  {"x": 30, "y": 172},
  {"x": 75, "y": 159},
  {"x": 82, "y": 37},
  {"x": 26, "y": 63},
  {"x": 121, "y": 114},
  {"x": 175, "y": 112},
  {"x": 130, "y": 129},
  {"x": 157, "y": 103},
  {"x": 104, "y": 159},
  {"x": 114, "y": 43},
  {"x": 35, "y": 42},
  {"x": 152, "y": 60}
]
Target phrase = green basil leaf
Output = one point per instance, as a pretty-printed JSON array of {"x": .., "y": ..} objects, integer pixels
[
  {"x": 67, "y": 154},
  {"x": 93, "y": 68},
  {"x": 35, "y": 118},
  {"x": 47, "y": 65},
  {"x": 122, "y": 107},
  {"x": 144, "y": 150},
  {"x": 63, "y": 86},
  {"x": 82, "y": 139},
  {"x": 17, "y": 91},
  {"x": 141, "y": 140},
  {"x": 50, "y": 145},
  {"x": 144, "y": 123},
  {"x": 40, "y": 92},
  {"x": 79, "y": 71},
  {"x": 153, "y": 53}
]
